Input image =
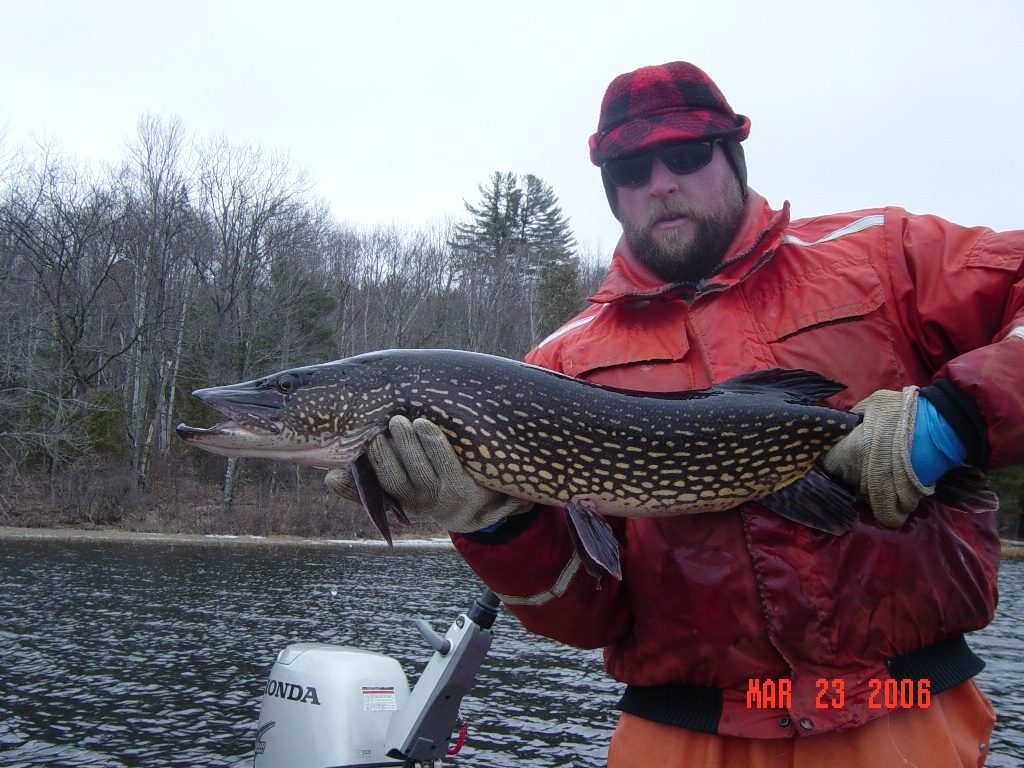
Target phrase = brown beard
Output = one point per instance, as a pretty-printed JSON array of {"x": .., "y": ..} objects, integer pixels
[{"x": 681, "y": 261}]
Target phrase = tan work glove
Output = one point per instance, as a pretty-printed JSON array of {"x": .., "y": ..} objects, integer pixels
[
  {"x": 875, "y": 456},
  {"x": 419, "y": 469}
]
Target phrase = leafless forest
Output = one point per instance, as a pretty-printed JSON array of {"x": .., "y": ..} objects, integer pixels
[{"x": 197, "y": 261}]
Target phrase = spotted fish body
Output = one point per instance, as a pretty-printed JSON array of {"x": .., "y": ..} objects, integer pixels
[
  {"x": 542, "y": 436},
  {"x": 529, "y": 433}
]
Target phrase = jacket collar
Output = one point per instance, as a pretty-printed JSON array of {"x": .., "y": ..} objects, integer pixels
[{"x": 759, "y": 234}]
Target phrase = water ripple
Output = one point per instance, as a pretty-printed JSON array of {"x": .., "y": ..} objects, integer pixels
[{"x": 152, "y": 654}]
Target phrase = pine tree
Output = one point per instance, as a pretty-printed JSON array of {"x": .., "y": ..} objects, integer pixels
[
  {"x": 516, "y": 255},
  {"x": 559, "y": 295},
  {"x": 517, "y": 220},
  {"x": 491, "y": 235},
  {"x": 545, "y": 228}
]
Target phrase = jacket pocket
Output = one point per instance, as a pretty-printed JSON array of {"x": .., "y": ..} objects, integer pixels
[
  {"x": 640, "y": 345},
  {"x": 829, "y": 295},
  {"x": 831, "y": 321}
]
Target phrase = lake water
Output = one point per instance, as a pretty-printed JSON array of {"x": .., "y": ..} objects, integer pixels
[{"x": 151, "y": 654}]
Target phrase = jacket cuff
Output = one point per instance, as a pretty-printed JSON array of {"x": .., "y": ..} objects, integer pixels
[
  {"x": 963, "y": 415},
  {"x": 510, "y": 529}
]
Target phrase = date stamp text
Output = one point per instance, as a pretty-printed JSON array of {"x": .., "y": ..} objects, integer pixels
[{"x": 890, "y": 693}]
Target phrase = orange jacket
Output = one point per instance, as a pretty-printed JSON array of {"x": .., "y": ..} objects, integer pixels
[{"x": 876, "y": 299}]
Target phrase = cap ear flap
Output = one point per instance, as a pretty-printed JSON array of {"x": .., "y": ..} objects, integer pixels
[
  {"x": 611, "y": 191},
  {"x": 738, "y": 160}
]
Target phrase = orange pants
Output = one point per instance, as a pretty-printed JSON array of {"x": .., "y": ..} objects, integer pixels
[{"x": 953, "y": 732}]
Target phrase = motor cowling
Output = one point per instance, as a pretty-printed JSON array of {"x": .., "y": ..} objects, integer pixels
[{"x": 328, "y": 705}]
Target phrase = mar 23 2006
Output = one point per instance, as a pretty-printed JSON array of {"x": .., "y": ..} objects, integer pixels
[{"x": 888, "y": 693}]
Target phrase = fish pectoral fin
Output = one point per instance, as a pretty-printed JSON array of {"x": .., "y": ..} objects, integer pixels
[
  {"x": 594, "y": 540},
  {"x": 817, "y": 501},
  {"x": 966, "y": 490},
  {"x": 395, "y": 508},
  {"x": 371, "y": 494}
]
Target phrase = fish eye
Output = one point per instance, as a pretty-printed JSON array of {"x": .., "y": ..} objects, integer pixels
[{"x": 286, "y": 384}]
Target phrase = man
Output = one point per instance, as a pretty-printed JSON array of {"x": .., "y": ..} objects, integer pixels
[{"x": 743, "y": 638}]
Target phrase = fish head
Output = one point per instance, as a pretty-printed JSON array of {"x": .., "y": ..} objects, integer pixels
[{"x": 319, "y": 415}]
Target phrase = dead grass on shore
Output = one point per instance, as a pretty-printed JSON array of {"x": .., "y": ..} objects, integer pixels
[
  {"x": 182, "y": 501},
  {"x": 185, "y": 501}
]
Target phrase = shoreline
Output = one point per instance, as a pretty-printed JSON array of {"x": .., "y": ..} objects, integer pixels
[
  {"x": 212, "y": 539},
  {"x": 1011, "y": 550}
]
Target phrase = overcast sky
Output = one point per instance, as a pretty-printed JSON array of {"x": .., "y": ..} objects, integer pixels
[{"x": 399, "y": 109}]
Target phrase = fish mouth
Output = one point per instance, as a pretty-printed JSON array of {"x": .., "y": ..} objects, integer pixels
[
  {"x": 233, "y": 439},
  {"x": 256, "y": 426},
  {"x": 229, "y": 428},
  {"x": 248, "y": 408}
]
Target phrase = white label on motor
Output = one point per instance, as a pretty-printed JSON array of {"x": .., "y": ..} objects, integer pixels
[{"x": 378, "y": 699}]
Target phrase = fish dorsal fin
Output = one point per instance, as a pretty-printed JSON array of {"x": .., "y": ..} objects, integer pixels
[
  {"x": 797, "y": 385},
  {"x": 800, "y": 386}
]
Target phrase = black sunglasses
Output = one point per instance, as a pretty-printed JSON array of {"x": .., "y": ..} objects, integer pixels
[{"x": 681, "y": 158}]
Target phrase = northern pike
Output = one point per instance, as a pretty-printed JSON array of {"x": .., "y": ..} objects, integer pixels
[{"x": 542, "y": 436}]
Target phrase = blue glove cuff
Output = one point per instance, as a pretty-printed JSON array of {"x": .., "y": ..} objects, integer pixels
[{"x": 936, "y": 448}]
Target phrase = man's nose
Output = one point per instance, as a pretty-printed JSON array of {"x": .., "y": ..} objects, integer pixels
[{"x": 663, "y": 181}]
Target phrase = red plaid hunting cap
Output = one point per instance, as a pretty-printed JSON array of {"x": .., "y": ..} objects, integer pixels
[{"x": 653, "y": 105}]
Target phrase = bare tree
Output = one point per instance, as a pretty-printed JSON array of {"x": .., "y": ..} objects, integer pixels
[
  {"x": 250, "y": 202},
  {"x": 159, "y": 244},
  {"x": 64, "y": 228},
  {"x": 200, "y": 263}
]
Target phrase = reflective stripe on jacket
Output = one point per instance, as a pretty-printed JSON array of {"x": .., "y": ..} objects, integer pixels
[{"x": 876, "y": 299}]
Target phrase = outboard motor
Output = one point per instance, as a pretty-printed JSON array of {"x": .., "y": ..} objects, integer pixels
[{"x": 332, "y": 706}]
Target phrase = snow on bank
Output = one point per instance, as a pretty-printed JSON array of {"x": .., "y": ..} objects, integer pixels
[{"x": 86, "y": 534}]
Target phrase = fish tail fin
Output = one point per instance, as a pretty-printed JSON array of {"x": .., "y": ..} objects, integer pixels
[
  {"x": 371, "y": 495},
  {"x": 966, "y": 489},
  {"x": 806, "y": 387},
  {"x": 594, "y": 540},
  {"x": 817, "y": 501}
]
